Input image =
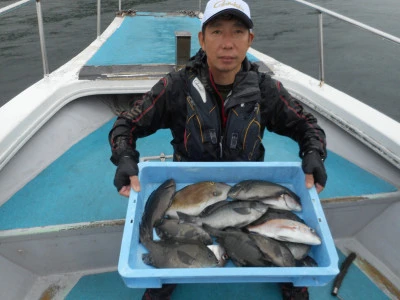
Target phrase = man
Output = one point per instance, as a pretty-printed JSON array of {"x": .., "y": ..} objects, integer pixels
[{"x": 217, "y": 108}]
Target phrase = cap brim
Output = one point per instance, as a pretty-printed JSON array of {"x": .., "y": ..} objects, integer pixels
[{"x": 237, "y": 13}]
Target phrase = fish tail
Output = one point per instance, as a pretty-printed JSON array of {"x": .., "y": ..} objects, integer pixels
[{"x": 185, "y": 218}]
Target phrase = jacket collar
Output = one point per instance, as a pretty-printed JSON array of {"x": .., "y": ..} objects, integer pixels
[{"x": 245, "y": 88}]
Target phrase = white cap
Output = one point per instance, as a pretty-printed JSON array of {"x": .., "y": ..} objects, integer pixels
[{"x": 238, "y": 8}]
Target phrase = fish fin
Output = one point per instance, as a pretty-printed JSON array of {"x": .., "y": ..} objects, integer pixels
[
  {"x": 185, "y": 218},
  {"x": 242, "y": 210},
  {"x": 185, "y": 257},
  {"x": 283, "y": 238},
  {"x": 213, "y": 207},
  {"x": 147, "y": 259}
]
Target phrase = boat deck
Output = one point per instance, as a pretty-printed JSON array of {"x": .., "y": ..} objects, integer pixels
[{"x": 110, "y": 286}]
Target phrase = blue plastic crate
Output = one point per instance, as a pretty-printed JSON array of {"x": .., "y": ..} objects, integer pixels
[{"x": 136, "y": 274}]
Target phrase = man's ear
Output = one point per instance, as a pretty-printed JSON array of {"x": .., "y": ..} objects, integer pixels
[
  {"x": 201, "y": 39},
  {"x": 251, "y": 38}
]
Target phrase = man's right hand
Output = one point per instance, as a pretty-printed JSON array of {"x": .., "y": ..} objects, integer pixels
[{"x": 126, "y": 176}]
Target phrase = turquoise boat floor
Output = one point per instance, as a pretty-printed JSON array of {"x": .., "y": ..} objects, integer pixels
[
  {"x": 78, "y": 186},
  {"x": 156, "y": 30},
  {"x": 111, "y": 286}
]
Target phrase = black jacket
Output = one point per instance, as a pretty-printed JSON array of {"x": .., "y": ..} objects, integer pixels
[{"x": 169, "y": 105}]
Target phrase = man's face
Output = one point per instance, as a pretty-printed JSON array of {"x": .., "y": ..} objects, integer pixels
[{"x": 225, "y": 41}]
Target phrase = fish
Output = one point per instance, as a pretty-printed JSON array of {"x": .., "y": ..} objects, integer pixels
[
  {"x": 209, "y": 209},
  {"x": 298, "y": 250},
  {"x": 273, "y": 194},
  {"x": 172, "y": 254},
  {"x": 194, "y": 198},
  {"x": 273, "y": 213},
  {"x": 287, "y": 230},
  {"x": 220, "y": 254},
  {"x": 275, "y": 251},
  {"x": 283, "y": 201},
  {"x": 307, "y": 261},
  {"x": 172, "y": 229},
  {"x": 232, "y": 214},
  {"x": 157, "y": 204},
  {"x": 240, "y": 248}
]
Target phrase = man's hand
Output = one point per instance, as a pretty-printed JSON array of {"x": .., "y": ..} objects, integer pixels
[
  {"x": 314, "y": 169},
  {"x": 126, "y": 176},
  {"x": 310, "y": 183},
  {"x": 134, "y": 184}
]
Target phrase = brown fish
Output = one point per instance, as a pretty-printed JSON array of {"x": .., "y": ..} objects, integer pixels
[{"x": 194, "y": 198}]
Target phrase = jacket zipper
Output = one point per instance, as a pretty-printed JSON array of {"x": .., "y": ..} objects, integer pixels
[{"x": 222, "y": 122}]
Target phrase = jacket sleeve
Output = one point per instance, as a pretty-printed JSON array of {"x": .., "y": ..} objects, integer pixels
[
  {"x": 284, "y": 115},
  {"x": 144, "y": 117}
]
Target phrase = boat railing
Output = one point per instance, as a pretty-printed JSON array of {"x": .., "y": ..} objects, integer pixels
[
  {"x": 320, "y": 10},
  {"x": 18, "y": 4},
  {"x": 40, "y": 26}
]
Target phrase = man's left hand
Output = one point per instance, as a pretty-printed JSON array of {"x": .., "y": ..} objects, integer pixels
[{"x": 314, "y": 169}]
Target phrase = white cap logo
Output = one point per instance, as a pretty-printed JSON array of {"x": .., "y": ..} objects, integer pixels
[{"x": 238, "y": 8}]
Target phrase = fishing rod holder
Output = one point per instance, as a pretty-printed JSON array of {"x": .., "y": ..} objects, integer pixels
[
  {"x": 161, "y": 157},
  {"x": 182, "y": 42}
]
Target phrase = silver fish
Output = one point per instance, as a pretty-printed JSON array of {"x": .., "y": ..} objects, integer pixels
[
  {"x": 171, "y": 254},
  {"x": 276, "y": 251},
  {"x": 220, "y": 254},
  {"x": 273, "y": 213},
  {"x": 284, "y": 201},
  {"x": 232, "y": 214},
  {"x": 273, "y": 194},
  {"x": 195, "y": 197},
  {"x": 157, "y": 203},
  {"x": 287, "y": 230},
  {"x": 299, "y": 251},
  {"x": 241, "y": 249},
  {"x": 171, "y": 229}
]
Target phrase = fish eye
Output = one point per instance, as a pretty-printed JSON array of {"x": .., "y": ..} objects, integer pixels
[{"x": 215, "y": 194}]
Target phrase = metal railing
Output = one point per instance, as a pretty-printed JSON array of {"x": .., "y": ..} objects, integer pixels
[
  {"x": 321, "y": 11},
  {"x": 13, "y": 6},
  {"x": 18, "y": 4},
  {"x": 318, "y": 8}
]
